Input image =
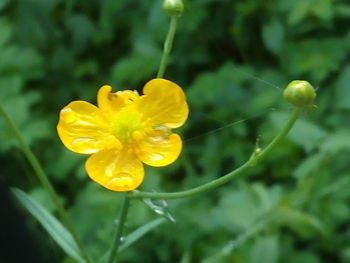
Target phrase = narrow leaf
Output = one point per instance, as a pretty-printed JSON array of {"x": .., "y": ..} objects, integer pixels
[
  {"x": 136, "y": 235},
  {"x": 141, "y": 231},
  {"x": 160, "y": 207},
  {"x": 56, "y": 230}
]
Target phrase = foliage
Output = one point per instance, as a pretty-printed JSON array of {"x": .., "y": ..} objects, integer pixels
[{"x": 233, "y": 58}]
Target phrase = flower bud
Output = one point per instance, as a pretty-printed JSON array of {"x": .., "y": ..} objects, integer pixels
[
  {"x": 300, "y": 93},
  {"x": 173, "y": 7}
]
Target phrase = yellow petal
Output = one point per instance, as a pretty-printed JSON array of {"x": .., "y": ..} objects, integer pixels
[
  {"x": 163, "y": 103},
  {"x": 158, "y": 149},
  {"x": 83, "y": 129},
  {"x": 111, "y": 103},
  {"x": 116, "y": 170}
]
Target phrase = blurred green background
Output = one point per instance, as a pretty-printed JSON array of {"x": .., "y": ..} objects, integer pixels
[{"x": 233, "y": 58}]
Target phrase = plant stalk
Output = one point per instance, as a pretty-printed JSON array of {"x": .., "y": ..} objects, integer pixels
[
  {"x": 119, "y": 232},
  {"x": 43, "y": 179},
  {"x": 167, "y": 46},
  {"x": 255, "y": 157}
]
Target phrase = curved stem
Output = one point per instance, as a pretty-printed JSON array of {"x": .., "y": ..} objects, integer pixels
[
  {"x": 119, "y": 232},
  {"x": 167, "y": 46},
  {"x": 42, "y": 177},
  {"x": 255, "y": 157}
]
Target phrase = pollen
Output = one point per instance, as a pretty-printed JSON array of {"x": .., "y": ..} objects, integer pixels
[{"x": 126, "y": 124}]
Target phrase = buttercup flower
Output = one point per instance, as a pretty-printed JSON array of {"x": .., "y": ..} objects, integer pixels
[{"x": 124, "y": 131}]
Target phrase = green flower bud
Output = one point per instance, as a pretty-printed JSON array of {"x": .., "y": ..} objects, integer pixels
[
  {"x": 300, "y": 93},
  {"x": 173, "y": 7}
]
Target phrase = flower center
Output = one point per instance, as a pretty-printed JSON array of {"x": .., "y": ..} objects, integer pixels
[{"x": 126, "y": 122}]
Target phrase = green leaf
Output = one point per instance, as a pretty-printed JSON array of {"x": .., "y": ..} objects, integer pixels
[
  {"x": 82, "y": 30},
  {"x": 143, "y": 62},
  {"x": 337, "y": 188},
  {"x": 314, "y": 57},
  {"x": 273, "y": 36},
  {"x": 303, "y": 223},
  {"x": 56, "y": 230},
  {"x": 345, "y": 254},
  {"x": 299, "y": 11},
  {"x": 5, "y": 28},
  {"x": 160, "y": 207},
  {"x": 265, "y": 250},
  {"x": 3, "y": 4},
  {"x": 242, "y": 208},
  {"x": 342, "y": 10},
  {"x": 323, "y": 9},
  {"x": 303, "y": 257},
  {"x": 309, "y": 166},
  {"x": 186, "y": 257},
  {"x": 141, "y": 231},
  {"x": 304, "y": 133},
  {"x": 336, "y": 143},
  {"x": 342, "y": 89},
  {"x": 136, "y": 235}
]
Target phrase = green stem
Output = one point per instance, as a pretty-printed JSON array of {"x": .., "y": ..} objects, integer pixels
[
  {"x": 256, "y": 156},
  {"x": 167, "y": 46},
  {"x": 42, "y": 177},
  {"x": 122, "y": 216}
]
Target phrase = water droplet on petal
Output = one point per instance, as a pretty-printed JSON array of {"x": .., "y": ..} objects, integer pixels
[
  {"x": 68, "y": 115},
  {"x": 156, "y": 156},
  {"x": 160, "y": 133},
  {"x": 122, "y": 181},
  {"x": 162, "y": 130},
  {"x": 84, "y": 144},
  {"x": 109, "y": 169}
]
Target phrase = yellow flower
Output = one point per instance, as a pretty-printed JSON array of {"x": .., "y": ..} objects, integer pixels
[{"x": 124, "y": 131}]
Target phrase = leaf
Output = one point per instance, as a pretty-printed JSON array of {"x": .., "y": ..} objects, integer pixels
[
  {"x": 160, "y": 207},
  {"x": 240, "y": 240},
  {"x": 342, "y": 89},
  {"x": 304, "y": 133},
  {"x": 141, "y": 231},
  {"x": 82, "y": 30},
  {"x": 342, "y": 10},
  {"x": 303, "y": 257},
  {"x": 303, "y": 223},
  {"x": 309, "y": 166},
  {"x": 273, "y": 36},
  {"x": 136, "y": 235},
  {"x": 3, "y": 4},
  {"x": 336, "y": 143},
  {"x": 265, "y": 250},
  {"x": 186, "y": 257},
  {"x": 144, "y": 62},
  {"x": 56, "y": 230},
  {"x": 240, "y": 209},
  {"x": 323, "y": 9},
  {"x": 5, "y": 28},
  {"x": 346, "y": 254},
  {"x": 337, "y": 188},
  {"x": 314, "y": 57},
  {"x": 299, "y": 11}
]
